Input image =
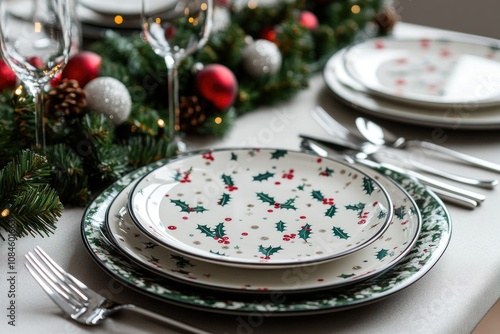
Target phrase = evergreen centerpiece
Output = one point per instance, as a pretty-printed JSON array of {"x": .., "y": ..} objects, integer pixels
[{"x": 95, "y": 137}]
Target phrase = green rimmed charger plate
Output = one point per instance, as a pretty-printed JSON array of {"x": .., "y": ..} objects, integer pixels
[{"x": 431, "y": 244}]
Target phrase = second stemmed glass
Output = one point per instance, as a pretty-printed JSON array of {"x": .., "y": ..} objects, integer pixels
[
  {"x": 35, "y": 42},
  {"x": 176, "y": 29}
]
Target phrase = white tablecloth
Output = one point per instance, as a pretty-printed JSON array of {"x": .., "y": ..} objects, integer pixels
[{"x": 450, "y": 298}]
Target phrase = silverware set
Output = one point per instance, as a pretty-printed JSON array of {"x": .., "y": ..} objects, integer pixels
[
  {"x": 81, "y": 303},
  {"x": 373, "y": 144}
]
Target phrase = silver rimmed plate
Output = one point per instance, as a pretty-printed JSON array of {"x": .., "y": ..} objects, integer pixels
[
  {"x": 260, "y": 208},
  {"x": 370, "y": 261},
  {"x": 430, "y": 72},
  {"x": 430, "y": 245}
]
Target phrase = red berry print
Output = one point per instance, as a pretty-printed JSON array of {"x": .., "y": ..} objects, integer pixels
[
  {"x": 363, "y": 218},
  {"x": 425, "y": 43},
  {"x": 319, "y": 160},
  {"x": 379, "y": 44},
  {"x": 208, "y": 156},
  {"x": 288, "y": 237},
  {"x": 288, "y": 175},
  {"x": 328, "y": 201},
  {"x": 172, "y": 227},
  {"x": 231, "y": 187}
]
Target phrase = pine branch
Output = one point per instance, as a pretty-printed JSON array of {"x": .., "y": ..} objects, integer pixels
[
  {"x": 28, "y": 205},
  {"x": 33, "y": 212}
]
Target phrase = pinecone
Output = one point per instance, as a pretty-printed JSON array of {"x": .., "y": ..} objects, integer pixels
[
  {"x": 386, "y": 19},
  {"x": 67, "y": 99},
  {"x": 192, "y": 112}
]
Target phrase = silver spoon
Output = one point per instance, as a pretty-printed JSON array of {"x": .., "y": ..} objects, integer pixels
[{"x": 383, "y": 137}]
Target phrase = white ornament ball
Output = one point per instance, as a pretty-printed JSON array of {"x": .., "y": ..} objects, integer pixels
[
  {"x": 262, "y": 57},
  {"x": 110, "y": 97}
]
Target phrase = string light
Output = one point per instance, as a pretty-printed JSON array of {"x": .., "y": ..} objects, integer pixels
[
  {"x": 161, "y": 123},
  {"x": 118, "y": 19},
  {"x": 355, "y": 9},
  {"x": 218, "y": 120},
  {"x": 5, "y": 213}
]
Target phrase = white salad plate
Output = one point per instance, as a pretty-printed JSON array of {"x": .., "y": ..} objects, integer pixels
[
  {"x": 372, "y": 260},
  {"x": 355, "y": 95},
  {"x": 431, "y": 244},
  {"x": 428, "y": 72},
  {"x": 123, "y": 7},
  {"x": 260, "y": 208}
]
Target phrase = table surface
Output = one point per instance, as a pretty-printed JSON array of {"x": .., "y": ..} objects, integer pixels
[{"x": 451, "y": 298}]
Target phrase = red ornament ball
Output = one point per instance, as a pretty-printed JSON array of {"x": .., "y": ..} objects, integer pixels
[
  {"x": 217, "y": 84},
  {"x": 8, "y": 79},
  {"x": 308, "y": 20},
  {"x": 83, "y": 67}
]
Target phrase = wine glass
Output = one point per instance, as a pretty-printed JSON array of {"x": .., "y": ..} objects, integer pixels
[
  {"x": 35, "y": 43},
  {"x": 176, "y": 29}
]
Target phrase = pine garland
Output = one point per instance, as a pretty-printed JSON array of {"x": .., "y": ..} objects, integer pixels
[
  {"x": 85, "y": 152},
  {"x": 28, "y": 205}
]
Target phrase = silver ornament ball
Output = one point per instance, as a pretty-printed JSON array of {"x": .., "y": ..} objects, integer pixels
[
  {"x": 262, "y": 57},
  {"x": 110, "y": 97}
]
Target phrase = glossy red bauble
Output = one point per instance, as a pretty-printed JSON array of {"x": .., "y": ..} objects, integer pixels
[
  {"x": 217, "y": 84},
  {"x": 308, "y": 20},
  {"x": 83, "y": 67},
  {"x": 8, "y": 78}
]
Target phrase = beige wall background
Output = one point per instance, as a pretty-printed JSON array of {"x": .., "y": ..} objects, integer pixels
[{"x": 480, "y": 17}]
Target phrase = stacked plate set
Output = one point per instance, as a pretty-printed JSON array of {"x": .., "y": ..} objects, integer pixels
[
  {"x": 228, "y": 230},
  {"x": 450, "y": 83},
  {"x": 97, "y": 16}
]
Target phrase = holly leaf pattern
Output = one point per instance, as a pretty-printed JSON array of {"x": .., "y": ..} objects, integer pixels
[
  {"x": 181, "y": 262},
  {"x": 268, "y": 251},
  {"x": 266, "y": 198},
  {"x": 382, "y": 214},
  {"x": 217, "y": 232},
  {"x": 400, "y": 212},
  {"x": 331, "y": 211},
  {"x": 305, "y": 232},
  {"x": 227, "y": 179},
  {"x": 289, "y": 204},
  {"x": 263, "y": 176},
  {"x": 326, "y": 172},
  {"x": 225, "y": 199},
  {"x": 278, "y": 154},
  {"x": 345, "y": 275},
  {"x": 280, "y": 226},
  {"x": 316, "y": 194},
  {"x": 368, "y": 185},
  {"x": 234, "y": 156},
  {"x": 181, "y": 204},
  {"x": 356, "y": 207},
  {"x": 382, "y": 253},
  {"x": 339, "y": 232}
]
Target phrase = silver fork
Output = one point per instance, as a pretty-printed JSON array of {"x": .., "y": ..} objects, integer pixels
[
  {"x": 80, "y": 302},
  {"x": 335, "y": 129}
]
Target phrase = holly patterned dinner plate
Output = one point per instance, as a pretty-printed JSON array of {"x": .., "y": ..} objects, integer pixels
[
  {"x": 372, "y": 260},
  {"x": 431, "y": 244},
  {"x": 260, "y": 208},
  {"x": 438, "y": 73}
]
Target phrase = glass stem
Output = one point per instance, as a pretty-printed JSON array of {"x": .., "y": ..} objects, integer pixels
[
  {"x": 173, "y": 103},
  {"x": 39, "y": 120}
]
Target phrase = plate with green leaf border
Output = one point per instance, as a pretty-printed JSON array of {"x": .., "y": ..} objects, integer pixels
[
  {"x": 370, "y": 261},
  {"x": 430, "y": 246},
  {"x": 260, "y": 208}
]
